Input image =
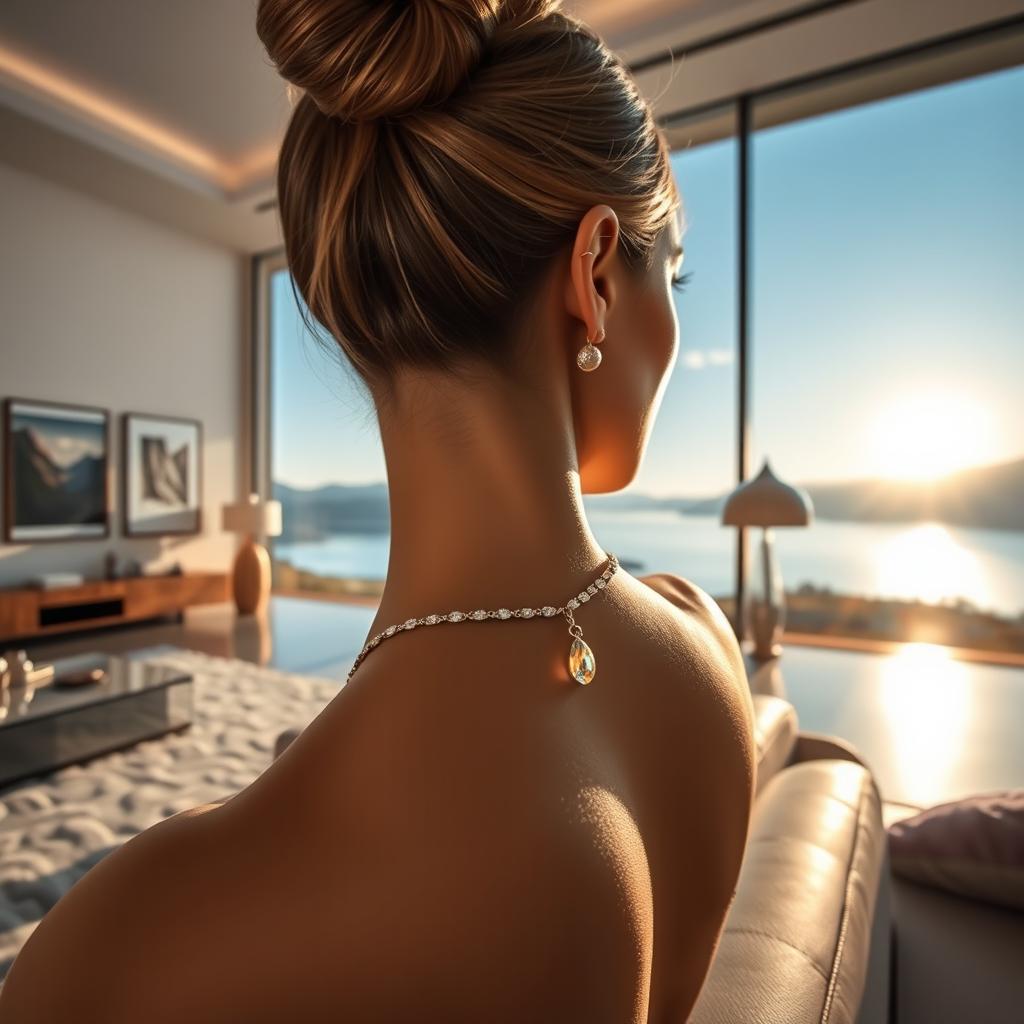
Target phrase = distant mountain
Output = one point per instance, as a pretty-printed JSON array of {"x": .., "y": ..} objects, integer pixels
[
  {"x": 335, "y": 508},
  {"x": 46, "y": 493},
  {"x": 634, "y": 502},
  {"x": 987, "y": 496},
  {"x": 990, "y": 497},
  {"x": 315, "y": 513}
]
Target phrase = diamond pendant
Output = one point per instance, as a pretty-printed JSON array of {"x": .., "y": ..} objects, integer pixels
[{"x": 582, "y": 663}]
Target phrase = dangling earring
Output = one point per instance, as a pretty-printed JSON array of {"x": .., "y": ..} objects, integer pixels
[{"x": 588, "y": 358}]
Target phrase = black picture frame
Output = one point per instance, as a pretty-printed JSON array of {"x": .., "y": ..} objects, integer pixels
[
  {"x": 40, "y": 481},
  {"x": 162, "y": 478}
]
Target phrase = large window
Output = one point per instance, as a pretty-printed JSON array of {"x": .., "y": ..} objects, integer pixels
[
  {"x": 664, "y": 521},
  {"x": 328, "y": 469},
  {"x": 326, "y": 462},
  {"x": 887, "y": 351},
  {"x": 883, "y": 353}
]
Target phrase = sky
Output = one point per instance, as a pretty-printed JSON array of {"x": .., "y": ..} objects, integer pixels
[{"x": 887, "y": 304}]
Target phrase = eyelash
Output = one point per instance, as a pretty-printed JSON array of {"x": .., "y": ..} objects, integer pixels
[{"x": 680, "y": 282}]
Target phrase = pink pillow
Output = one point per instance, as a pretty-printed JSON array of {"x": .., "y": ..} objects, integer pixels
[{"x": 972, "y": 847}]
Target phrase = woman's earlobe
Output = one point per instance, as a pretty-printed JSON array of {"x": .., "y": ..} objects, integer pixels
[{"x": 588, "y": 358}]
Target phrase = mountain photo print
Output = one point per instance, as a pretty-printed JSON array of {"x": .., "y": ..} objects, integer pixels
[{"x": 55, "y": 475}]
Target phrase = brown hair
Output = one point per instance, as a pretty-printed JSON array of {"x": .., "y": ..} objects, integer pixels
[{"x": 442, "y": 153}]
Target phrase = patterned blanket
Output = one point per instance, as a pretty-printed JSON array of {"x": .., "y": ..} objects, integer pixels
[{"x": 54, "y": 827}]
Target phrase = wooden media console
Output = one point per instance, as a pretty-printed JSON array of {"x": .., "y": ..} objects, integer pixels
[{"x": 30, "y": 612}]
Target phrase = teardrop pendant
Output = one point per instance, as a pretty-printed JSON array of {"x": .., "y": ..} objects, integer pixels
[{"x": 582, "y": 663}]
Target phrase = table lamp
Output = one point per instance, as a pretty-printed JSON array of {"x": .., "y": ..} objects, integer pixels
[
  {"x": 767, "y": 502},
  {"x": 251, "y": 575}
]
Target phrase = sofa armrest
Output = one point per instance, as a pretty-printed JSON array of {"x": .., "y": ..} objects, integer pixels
[
  {"x": 807, "y": 936},
  {"x": 816, "y": 746},
  {"x": 775, "y": 734}
]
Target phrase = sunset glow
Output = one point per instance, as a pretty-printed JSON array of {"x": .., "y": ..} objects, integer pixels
[
  {"x": 926, "y": 698},
  {"x": 926, "y": 562},
  {"x": 929, "y": 436}
]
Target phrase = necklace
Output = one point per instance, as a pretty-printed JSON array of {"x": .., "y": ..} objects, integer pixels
[{"x": 582, "y": 663}]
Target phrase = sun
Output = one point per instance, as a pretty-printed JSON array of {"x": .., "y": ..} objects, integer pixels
[{"x": 924, "y": 437}]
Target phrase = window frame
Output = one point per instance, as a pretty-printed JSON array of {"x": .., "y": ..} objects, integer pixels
[{"x": 958, "y": 56}]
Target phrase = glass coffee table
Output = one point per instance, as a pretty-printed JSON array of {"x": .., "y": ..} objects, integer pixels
[{"x": 49, "y": 726}]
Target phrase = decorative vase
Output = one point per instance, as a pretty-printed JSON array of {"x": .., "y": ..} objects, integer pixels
[{"x": 251, "y": 577}]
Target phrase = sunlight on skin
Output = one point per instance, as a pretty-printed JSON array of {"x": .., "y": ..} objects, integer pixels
[
  {"x": 925, "y": 696},
  {"x": 617, "y": 839},
  {"x": 925, "y": 563},
  {"x": 928, "y": 436}
]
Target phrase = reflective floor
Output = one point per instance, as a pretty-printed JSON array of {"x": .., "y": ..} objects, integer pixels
[
  {"x": 931, "y": 728},
  {"x": 318, "y": 638}
]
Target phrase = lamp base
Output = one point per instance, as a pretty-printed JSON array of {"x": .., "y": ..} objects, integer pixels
[
  {"x": 768, "y": 652},
  {"x": 251, "y": 578},
  {"x": 768, "y": 614}
]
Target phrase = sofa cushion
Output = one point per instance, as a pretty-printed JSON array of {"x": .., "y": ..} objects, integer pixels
[
  {"x": 797, "y": 941},
  {"x": 972, "y": 847}
]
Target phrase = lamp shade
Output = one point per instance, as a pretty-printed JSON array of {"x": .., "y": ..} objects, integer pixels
[
  {"x": 767, "y": 501},
  {"x": 259, "y": 518}
]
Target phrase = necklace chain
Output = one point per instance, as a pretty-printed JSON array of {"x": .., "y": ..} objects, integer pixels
[{"x": 547, "y": 611}]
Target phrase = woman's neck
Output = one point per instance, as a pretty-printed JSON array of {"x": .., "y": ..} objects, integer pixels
[{"x": 485, "y": 500}]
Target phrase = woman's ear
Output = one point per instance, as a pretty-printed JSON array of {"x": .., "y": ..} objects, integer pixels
[{"x": 590, "y": 291}]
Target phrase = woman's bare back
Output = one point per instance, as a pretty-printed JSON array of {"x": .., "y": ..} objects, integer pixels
[{"x": 463, "y": 834}]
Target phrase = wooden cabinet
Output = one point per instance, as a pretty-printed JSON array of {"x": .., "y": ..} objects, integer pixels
[
  {"x": 17, "y": 615},
  {"x": 33, "y": 612}
]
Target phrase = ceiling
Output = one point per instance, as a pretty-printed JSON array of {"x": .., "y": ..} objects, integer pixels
[
  {"x": 191, "y": 77},
  {"x": 187, "y": 79},
  {"x": 172, "y": 107},
  {"x": 182, "y": 94}
]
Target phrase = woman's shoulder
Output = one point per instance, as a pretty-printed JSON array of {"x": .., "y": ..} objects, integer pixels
[
  {"x": 689, "y": 598},
  {"x": 311, "y": 893},
  {"x": 707, "y": 636},
  {"x": 707, "y": 703},
  {"x": 97, "y": 948},
  {"x": 212, "y": 914}
]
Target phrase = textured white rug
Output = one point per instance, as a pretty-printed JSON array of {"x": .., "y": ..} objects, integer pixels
[{"x": 54, "y": 828}]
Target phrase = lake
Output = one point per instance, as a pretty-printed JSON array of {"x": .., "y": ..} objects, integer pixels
[{"x": 914, "y": 561}]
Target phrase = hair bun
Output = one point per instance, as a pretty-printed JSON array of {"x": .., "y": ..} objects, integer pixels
[{"x": 365, "y": 59}]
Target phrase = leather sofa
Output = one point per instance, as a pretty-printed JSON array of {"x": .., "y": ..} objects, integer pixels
[{"x": 808, "y": 936}]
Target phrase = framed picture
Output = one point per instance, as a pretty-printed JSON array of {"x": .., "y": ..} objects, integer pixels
[
  {"x": 55, "y": 472},
  {"x": 162, "y": 475}
]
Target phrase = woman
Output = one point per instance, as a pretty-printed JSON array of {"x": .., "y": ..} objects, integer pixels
[{"x": 478, "y": 207}]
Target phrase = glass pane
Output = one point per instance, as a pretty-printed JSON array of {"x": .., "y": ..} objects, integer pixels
[
  {"x": 667, "y": 520},
  {"x": 326, "y": 462},
  {"x": 888, "y": 241},
  {"x": 328, "y": 467}
]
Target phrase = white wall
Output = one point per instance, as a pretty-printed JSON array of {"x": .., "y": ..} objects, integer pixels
[{"x": 101, "y": 307}]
